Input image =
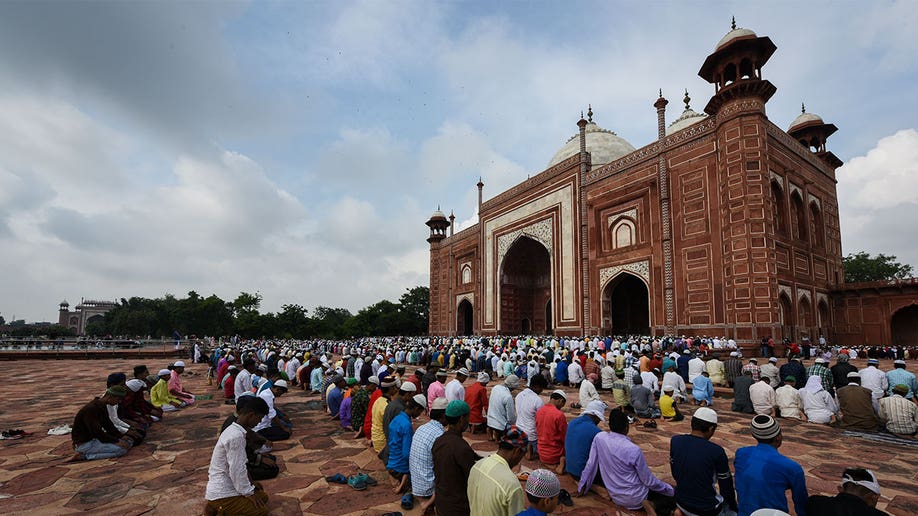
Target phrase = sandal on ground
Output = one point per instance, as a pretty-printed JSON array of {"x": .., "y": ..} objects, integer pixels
[
  {"x": 565, "y": 498},
  {"x": 367, "y": 479},
  {"x": 408, "y": 502},
  {"x": 524, "y": 476},
  {"x": 356, "y": 483},
  {"x": 337, "y": 478}
]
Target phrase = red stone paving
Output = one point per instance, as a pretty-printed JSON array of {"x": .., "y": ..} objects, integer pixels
[{"x": 168, "y": 472}]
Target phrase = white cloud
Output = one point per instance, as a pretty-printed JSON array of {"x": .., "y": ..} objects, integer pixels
[{"x": 878, "y": 198}]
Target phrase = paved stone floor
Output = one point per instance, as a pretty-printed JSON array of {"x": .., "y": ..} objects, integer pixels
[{"x": 167, "y": 474}]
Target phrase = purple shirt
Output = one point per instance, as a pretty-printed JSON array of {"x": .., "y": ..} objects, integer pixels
[
  {"x": 344, "y": 413},
  {"x": 624, "y": 471}
]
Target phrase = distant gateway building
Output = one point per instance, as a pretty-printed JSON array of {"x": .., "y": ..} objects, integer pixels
[
  {"x": 725, "y": 225},
  {"x": 86, "y": 312}
]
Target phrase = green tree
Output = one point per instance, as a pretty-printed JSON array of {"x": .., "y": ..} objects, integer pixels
[
  {"x": 415, "y": 307},
  {"x": 864, "y": 267},
  {"x": 329, "y": 322}
]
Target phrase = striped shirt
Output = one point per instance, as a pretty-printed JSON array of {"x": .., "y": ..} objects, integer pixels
[{"x": 899, "y": 414}]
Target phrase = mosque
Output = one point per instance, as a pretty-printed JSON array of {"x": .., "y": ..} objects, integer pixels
[{"x": 725, "y": 225}]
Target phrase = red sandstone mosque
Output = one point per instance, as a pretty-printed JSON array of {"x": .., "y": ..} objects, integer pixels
[{"x": 725, "y": 225}]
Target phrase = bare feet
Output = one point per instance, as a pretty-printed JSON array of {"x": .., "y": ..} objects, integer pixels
[
  {"x": 77, "y": 457},
  {"x": 401, "y": 485}
]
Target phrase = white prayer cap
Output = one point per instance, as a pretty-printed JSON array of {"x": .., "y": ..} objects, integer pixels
[
  {"x": 281, "y": 383},
  {"x": 179, "y": 364},
  {"x": 164, "y": 372},
  {"x": 596, "y": 408},
  {"x": 134, "y": 384},
  {"x": 408, "y": 387},
  {"x": 706, "y": 414}
]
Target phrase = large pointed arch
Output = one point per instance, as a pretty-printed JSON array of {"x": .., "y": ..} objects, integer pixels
[
  {"x": 525, "y": 286},
  {"x": 625, "y": 304}
]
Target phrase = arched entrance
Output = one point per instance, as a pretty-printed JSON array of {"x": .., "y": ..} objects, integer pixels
[
  {"x": 787, "y": 316},
  {"x": 822, "y": 311},
  {"x": 464, "y": 318},
  {"x": 904, "y": 326},
  {"x": 525, "y": 288},
  {"x": 626, "y": 306},
  {"x": 806, "y": 317}
]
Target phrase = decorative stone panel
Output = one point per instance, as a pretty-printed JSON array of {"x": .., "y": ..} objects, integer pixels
[{"x": 640, "y": 269}]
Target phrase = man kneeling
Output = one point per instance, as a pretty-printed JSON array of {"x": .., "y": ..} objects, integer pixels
[{"x": 229, "y": 490}]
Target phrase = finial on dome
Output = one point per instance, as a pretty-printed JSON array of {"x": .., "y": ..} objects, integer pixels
[
  {"x": 589, "y": 112},
  {"x": 661, "y": 93},
  {"x": 438, "y": 207},
  {"x": 802, "y": 108},
  {"x": 733, "y": 23},
  {"x": 686, "y": 99}
]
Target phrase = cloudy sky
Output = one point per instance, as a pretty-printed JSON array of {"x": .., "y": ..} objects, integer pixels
[{"x": 296, "y": 149}]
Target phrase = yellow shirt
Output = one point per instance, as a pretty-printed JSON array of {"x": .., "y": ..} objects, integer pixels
[
  {"x": 666, "y": 406},
  {"x": 376, "y": 429},
  {"x": 493, "y": 488},
  {"x": 160, "y": 395}
]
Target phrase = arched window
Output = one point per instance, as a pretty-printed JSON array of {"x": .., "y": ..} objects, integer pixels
[
  {"x": 779, "y": 207},
  {"x": 798, "y": 217},
  {"x": 466, "y": 274},
  {"x": 816, "y": 226},
  {"x": 623, "y": 234}
]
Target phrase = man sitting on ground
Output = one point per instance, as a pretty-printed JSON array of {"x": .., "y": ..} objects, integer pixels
[
  {"x": 160, "y": 396},
  {"x": 857, "y": 496},
  {"x": 694, "y": 461},
  {"x": 399, "y": 441},
  {"x": 493, "y": 487},
  {"x": 763, "y": 475},
  {"x": 93, "y": 435},
  {"x": 542, "y": 490},
  {"x": 274, "y": 426},
  {"x": 229, "y": 490},
  {"x": 175, "y": 383},
  {"x": 551, "y": 425}
]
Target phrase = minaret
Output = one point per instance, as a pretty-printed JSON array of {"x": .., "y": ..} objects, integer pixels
[
  {"x": 812, "y": 132},
  {"x": 668, "y": 282},
  {"x": 452, "y": 222},
  {"x": 480, "y": 187},
  {"x": 438, "y": 225},
  {"x": 735, "y": 68}
]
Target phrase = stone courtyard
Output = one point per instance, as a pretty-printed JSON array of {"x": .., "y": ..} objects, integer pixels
[{"x": 168, "y": 472}]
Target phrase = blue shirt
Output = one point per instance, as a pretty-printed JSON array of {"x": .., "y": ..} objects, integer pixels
[
  {"x": 703, "y": 389},
  {"x": 561, "y": 372},
  {"x": 334, "y": 401},
  {"x": 532, "y": 511},
  {"x": 577, "y": 443},
  {"x": 901, "y": 376},
  {"x": 762, "y": 477},
  {"x": 400, "y": 436}
]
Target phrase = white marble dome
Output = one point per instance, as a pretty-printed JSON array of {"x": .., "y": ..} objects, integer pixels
[
  {"x": 736, "y": 33},
  {"x": 688, "y": 117},
  {"x": 603, "y": 145},
  {"x": 438, "y": 215},
  {"x": 805, "y": 119}
]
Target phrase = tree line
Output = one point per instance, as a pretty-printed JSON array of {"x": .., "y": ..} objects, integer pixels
[{"x": 212, "y": 316}]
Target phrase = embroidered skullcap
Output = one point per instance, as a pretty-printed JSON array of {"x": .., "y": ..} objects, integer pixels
[
  {"x": 820, "y": 360},
  {"x": 463, "y": 371},
  {"x": 282, "y": 384},
  {"x": 773, "y": 359},
  {"x": 668, "y": 388},
  {"x": 420, "y": 400},
  {"x": 179, "y": 364},
  {"x": 442, "y": 372},
  {"x": 514, "y": 437},
  {"x": 899, "y": 362},
  {"x": 559, "y": 392},
  {"x": 900, "y": 389},
  {"x": 119, "y": 391},
  {"x": 164, "y": 372},
  {"x": 484, "y": 377},
  {"x": 842, "y": 357},
  {"x": 374, "y": 380},
  {"x": 543, "y": 484},
  {"x": 439, "y": 404},
  {"x": 790, "y": 378},
  {"x": 706, "y": 414},
  {"x": 457, "y": 408},
  {"x": 854, "y": 374},
  {"x": 512, "y": 381},
  {"x": 134, "y": 384},
  {"x": 352, "y": 381},
  {"x": 765, "y": 427},
  {"x": 753, "y": 359},
  {"x": 408, "y": 387},
  {"x": 873, "y": 361},
  {"x": 597, "y": 408}
]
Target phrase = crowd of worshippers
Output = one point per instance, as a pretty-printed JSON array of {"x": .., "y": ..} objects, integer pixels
[
  {"x": 376, "y": 398},
  {"x": 110, "y": 424}
]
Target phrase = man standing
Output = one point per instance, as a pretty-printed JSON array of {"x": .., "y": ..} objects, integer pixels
[
  {"x": 493, "y": 487},
  {"x": 453, "y": 459},
  {"x": 476, "y": 396},
  {"x": 229, "y": 490},
  {"x": 501, "y": 410},
  {"x": 625, "y": 474},
  {"x": 527, "y": 404},
  {"x": 741, "y": 399},
  {"x": 579, "y": 438},
  {"x": 437, "y": 389},
  {"x": 763, "y": 475},
  {"x": 399, "y": 441},
  {"x": 694, "y": 461},
  {"x": 552, "y": 430},
  {"x": 454, "y": 389},
  {"x": 763, "y": 397},
  {"x": 420, "y": 459}
]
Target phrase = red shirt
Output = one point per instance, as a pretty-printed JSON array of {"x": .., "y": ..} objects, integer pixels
[
  {"x": 551, "y": 426},
  {"x": 229, "y": 391},
  {"x": 368, "y": 419},
  {"x": 476, "y": 395}
]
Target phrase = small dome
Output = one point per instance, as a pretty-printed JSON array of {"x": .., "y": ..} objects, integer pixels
[
  {"x": 687, "y": 118},
  {"x": 805, "y": 119},
  {"x": 734, "y": 34},
  {"x": 603, "y": 145},
  {"x": 438, "y": 215}
]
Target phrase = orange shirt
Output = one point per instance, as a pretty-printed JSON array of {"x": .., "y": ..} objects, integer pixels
[{"x": 476, "y": 395}]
